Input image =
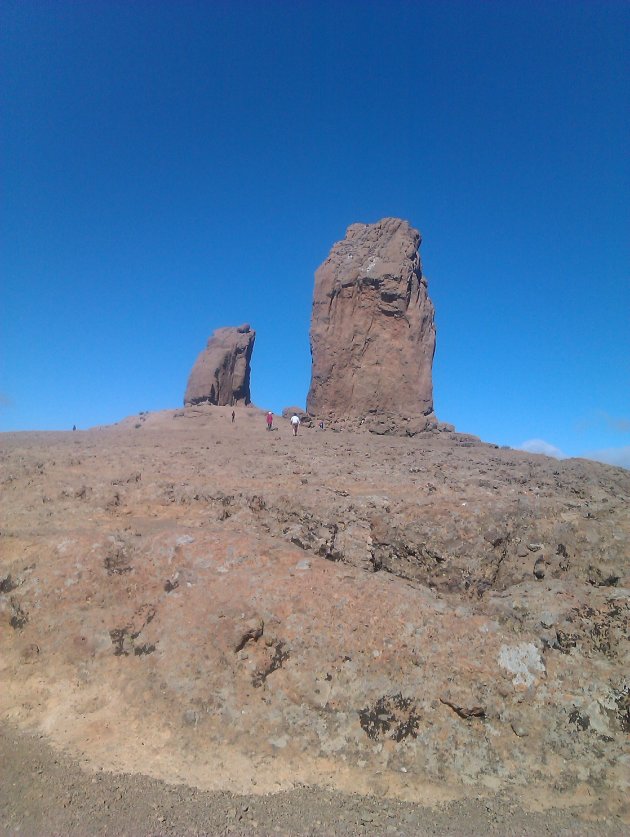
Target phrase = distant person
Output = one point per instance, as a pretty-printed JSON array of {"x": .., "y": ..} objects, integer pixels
[
  {"x": 295, "y": 423},
  {"x": 233, "y": 416},
  {"x": 269, "y": 420},
  {"x": 321, "y": 425},
  {"x": 74, "y": 427}
]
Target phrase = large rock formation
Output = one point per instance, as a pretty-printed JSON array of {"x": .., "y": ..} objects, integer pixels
[
  {"x": 221, "y": 372},
  {"x": 372, "y": 330}
]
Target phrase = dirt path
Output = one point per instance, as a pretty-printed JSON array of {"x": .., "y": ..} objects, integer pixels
[{"x": 45, "y": 793}]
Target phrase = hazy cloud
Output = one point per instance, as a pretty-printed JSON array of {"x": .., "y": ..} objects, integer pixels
[
  {"x": 611, "y": 456},
  {"x": 540, "y": 446},
  {"x": 616, "y": 423},
  {"x": 622, "y": 425}
]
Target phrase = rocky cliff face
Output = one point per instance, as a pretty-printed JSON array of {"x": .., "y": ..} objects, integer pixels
[
  {"x": 221, "y": 372},
  {"x": 372, "y": 331}
]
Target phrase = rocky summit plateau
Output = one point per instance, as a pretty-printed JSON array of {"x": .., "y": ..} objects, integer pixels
[
  {"x": 426, "y": 621},
  {"x": 208, "y": 627}
]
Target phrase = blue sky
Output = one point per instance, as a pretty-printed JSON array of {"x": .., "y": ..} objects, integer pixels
[{"x": 172, "y": 167}]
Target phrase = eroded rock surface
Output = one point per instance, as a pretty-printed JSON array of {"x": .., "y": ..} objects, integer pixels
[
  {"x": 222, "y": 371},
  {"x": 423, "y": 618},
  {"x": 372, "y": 330}
]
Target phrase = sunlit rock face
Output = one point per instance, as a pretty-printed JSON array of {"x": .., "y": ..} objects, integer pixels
[
  {"x": 372, "y": 329},
  {"x": 222, "y": 371}
]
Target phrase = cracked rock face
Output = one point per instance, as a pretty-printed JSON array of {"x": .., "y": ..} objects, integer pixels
[
  {"x": 221, "y": 373},
  {"x": 372, "y": 330}
]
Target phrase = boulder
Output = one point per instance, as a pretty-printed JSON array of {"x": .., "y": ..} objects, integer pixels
[
  {"x": 221, "y": 372},
  {"x": 372, "y": 330},
  {"x": 304, "y": 417}
]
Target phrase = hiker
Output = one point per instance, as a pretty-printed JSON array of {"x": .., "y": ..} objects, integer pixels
[
  {"x": 321, "y": 425},
  {"x": 269, "y": 420},
  {"x": 233, "y": 416},
  {"x": 295, "y": 423}
]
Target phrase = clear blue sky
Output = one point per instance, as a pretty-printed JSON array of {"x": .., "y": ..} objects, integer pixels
[{"x": 172, "y": 167}]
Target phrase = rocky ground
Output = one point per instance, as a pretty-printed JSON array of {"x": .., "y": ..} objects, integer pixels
[
  {"x": 342, "y": 632},
  {"x": 45, "y": 792}
]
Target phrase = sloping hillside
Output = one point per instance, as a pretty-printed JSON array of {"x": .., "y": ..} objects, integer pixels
[{"x": 426, "y": 618}]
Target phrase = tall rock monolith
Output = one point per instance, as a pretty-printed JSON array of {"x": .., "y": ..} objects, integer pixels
[
  {"x": 221, "y": 372},
  {"x": 372, "y": 329}
]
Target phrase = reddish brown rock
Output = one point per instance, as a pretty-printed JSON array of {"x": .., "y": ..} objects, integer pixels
[
  {"x": 257, "y": 611},
  {"x": 221, "y": 372},
  {"x": 304, "y": 417},
  {"x": 372, "y": 330}
]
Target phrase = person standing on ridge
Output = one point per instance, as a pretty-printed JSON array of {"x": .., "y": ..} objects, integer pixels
[
  {"x": 295, "y": 423},
  {"x": 233, "y": 416},
  {"x": 269, "y": 420}
]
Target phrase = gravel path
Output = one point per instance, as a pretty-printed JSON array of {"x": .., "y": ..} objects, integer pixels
[{"x": 45, "y": 793}]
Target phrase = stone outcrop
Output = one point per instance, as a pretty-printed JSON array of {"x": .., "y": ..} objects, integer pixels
[
  {"x": 372, "y": 330},
  {"x": 221, "y": 372},
  {"x": 304, "y": 417},
  {"x": 383, "y": 615}
]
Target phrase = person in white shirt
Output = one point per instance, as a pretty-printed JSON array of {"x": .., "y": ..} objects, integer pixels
[{"x": 295, "y": 423}]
